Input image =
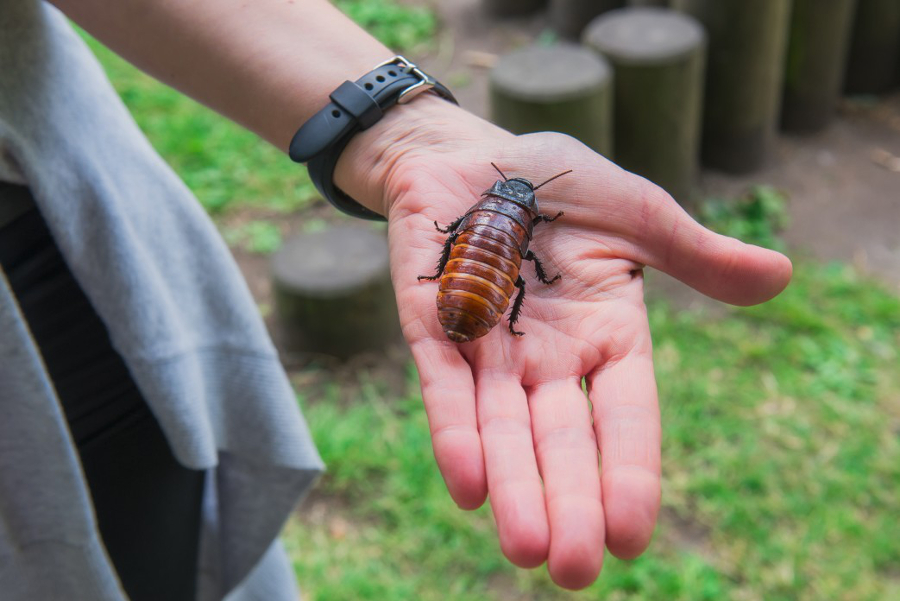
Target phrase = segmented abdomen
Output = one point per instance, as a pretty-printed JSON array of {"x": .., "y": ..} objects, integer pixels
[{"x": 480, "y": 276}]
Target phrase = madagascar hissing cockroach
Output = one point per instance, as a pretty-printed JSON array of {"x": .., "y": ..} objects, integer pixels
[{"x": 479, "y": 266}]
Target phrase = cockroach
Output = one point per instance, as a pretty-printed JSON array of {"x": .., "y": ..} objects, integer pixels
[{"x": 480, "y": 262}]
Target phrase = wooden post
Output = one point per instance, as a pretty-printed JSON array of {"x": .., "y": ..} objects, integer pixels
[
  {"x": 562, "y": 88},
  {"x": 816, "y": 57},
  {"x": 747, "y": 43},
  {"x": 512, "y": 8},
  {"x": 658, "y": 57},
  {"x": 570, "y": 17},
  {"x": 333, "y": 293},
  {"x": 872, "y": 66}
]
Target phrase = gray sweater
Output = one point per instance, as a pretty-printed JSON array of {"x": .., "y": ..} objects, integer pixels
[{"x": 177, "y": 310}]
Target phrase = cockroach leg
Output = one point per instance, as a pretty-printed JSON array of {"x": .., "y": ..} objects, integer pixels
[
  {"x": 546, "y": 218},
  {"x": 517, "y": 307},
  {"x": 442, "y": 262},
  {"x": 539, "y": 268},
  {"x": 450, "y": 228}
]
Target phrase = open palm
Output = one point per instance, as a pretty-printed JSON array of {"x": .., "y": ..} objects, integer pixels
[{"x": 508, "y": 414}]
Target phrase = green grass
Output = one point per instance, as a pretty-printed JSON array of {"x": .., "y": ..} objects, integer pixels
[
  {"x": 757, "y": 217},
  {"x": 256, "y": 236},
  {"x": 781, "y": 461},
  {"x": 397, "y": 25},
  {"x": 225, "y": 166},
  {"x": 780, "y": 449},
  {"x": 781, "y": 468},
  {"x": 781, "y": 436}
]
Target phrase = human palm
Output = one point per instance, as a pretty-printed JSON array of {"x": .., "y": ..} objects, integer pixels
[{"x": 508, "y": 414}]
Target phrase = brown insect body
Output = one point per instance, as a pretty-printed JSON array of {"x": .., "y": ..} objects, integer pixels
[
  {"x": 479, "y": 268},
  {"x": 481, "y": 275}
]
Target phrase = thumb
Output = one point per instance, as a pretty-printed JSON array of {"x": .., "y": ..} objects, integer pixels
[{"x": 720, "y": 267}]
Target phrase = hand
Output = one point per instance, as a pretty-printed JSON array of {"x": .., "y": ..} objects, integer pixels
[{"x": 507, "y": 414}]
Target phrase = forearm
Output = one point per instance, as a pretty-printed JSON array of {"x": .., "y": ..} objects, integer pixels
[{"x": 268, "y": 65}]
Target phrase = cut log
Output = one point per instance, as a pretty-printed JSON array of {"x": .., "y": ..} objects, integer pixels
[
  {"x": 570, "y": 17},
  {"x": 744, "y": 73},
  {"x": 333, "y": 293},
  {"x": 562, "y": 88},
  {"x": 816, "y": 58},
  {"x": 512, "y": 8},
  {"x": 658, "y": 57},
  {"x": 874, "y": 61}
]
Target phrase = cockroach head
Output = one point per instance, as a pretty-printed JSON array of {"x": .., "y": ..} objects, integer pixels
[{"x": 517, "y": 190}]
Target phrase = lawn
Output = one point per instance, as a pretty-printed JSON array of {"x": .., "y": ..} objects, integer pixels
[
  {"x": 781, "y": 455},
  {"x": 781, "y": 466}
]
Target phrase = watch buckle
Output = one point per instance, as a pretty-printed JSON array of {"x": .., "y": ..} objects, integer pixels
[{"x": 425, "y": 83}]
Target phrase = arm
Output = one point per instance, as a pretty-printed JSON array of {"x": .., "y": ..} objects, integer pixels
[
  {"x": 507, "y": 414},
  {"x": 267, "y": 64}
]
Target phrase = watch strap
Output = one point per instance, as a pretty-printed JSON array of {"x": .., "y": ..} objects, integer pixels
[{"x": 354, "y": 107}]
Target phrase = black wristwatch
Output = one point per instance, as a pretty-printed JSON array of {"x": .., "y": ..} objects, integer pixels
[{"x": 356, "y": 106}]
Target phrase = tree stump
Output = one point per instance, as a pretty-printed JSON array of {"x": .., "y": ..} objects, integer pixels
[
  {"x": 562, "y": 88},
  {"x": 747, "y": 43},
  {"x": 333, "y": 293},
  {"x": 872, "y": 67},
  {"x": 512, "y": 8},
  {"x": 658, "y": 57},
  {"x": 570, "y": 17},
  {"x": 816, "y": 57}
]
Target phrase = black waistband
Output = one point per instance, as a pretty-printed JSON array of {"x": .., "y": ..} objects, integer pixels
[
  {"x": 15, "y": 200},
  {"x": 147, "y": 504}
]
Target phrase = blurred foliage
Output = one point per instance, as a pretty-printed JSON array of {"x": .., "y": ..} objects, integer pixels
[
  {"x": 757, "y": 217},
  {"x": 224, "y": 165},
  {"x": 781, "y": 468},
  {"x": 401, "y": 27},
  {"x": 256, "y": 236},
  {"x": 547, "y": 37},
  {"x": 781, "y": 428}
]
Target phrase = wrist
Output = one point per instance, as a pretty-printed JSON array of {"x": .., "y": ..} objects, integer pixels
[{"x": 427, "y": 124}]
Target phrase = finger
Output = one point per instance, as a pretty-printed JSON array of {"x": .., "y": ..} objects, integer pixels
[
  {"x": 448, "y": 392},
  {"x": 567, "y": 455},
  {"x": 626, "y": 422},
  {"x": 667, "y": 238},
  {"x": 655, "y": 229},
  {"x": 517, "y": 498},
  {"x": 448, "y": 389}
]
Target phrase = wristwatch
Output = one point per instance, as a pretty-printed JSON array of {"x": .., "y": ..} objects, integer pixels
[{"x": 354, "y": 107}]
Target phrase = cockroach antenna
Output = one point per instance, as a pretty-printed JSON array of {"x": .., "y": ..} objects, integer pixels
[
  {"x": 552, "y": 178},
  {"x": 506, "y": 179}
]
